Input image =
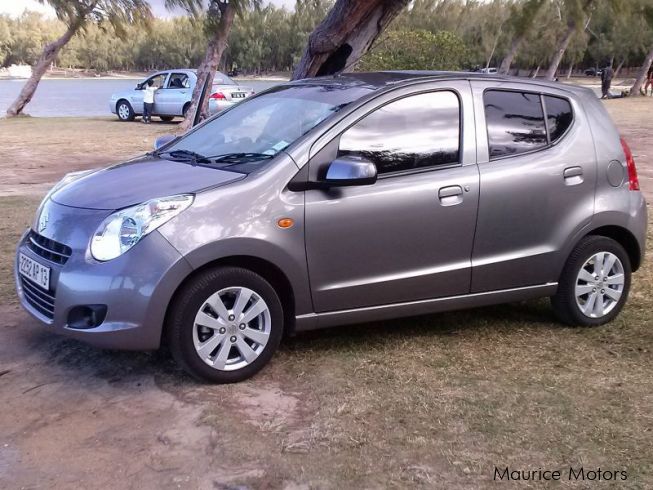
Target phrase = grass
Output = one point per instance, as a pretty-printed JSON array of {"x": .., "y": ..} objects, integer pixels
[
  {"x": 39, "y": 151},
  {"x": 435, "y": 401},
  {"x": 16, "y": 216}
]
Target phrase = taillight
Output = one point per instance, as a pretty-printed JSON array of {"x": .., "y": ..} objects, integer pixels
[
  {"x": 633, "y": 181},
  {"x": 217, "y": 96}
]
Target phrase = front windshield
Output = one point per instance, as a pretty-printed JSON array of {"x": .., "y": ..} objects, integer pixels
[{"x": 259, "y": 128}]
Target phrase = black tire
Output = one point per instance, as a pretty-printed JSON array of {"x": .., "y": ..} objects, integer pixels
[
  {"x": 564, "y": 302},
  {"x": 127, "y": 112},
  {"x": 184, "y": 111},
  {"x": 181, "y": 319},
  {"x": 166, "y": 118}
]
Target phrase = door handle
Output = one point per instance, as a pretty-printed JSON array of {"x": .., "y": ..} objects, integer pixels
[
  {"x": 573, "y": 175},
  {"x": 450, "y": 195}
]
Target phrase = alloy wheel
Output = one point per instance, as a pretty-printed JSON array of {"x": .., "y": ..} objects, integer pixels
[
  {"x": 123, "y": 111},
  {"x": 231, "y": 328},
  {"x": 599, "y": 284}
]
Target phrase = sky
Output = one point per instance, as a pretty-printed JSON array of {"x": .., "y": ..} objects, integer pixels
[{"x": 16, "y": 7}]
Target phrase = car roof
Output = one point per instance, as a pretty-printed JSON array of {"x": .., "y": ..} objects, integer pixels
[
  {"x": 186, "y": 70},
  {"x": 386, "y": 79}
]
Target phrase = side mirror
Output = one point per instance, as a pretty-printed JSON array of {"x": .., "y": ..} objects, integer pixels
[
  {"x": 348, "y": 171},
  {"x": 163, "y": 140},
  {"x": 139, "y": 86}
]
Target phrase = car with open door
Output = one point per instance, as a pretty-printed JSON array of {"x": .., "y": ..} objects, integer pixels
[
  {"x": 174, "y": 93},
  {"x": 340, "y": 200}
]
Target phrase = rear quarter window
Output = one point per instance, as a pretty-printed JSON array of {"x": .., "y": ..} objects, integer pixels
[{"x": 559, "y": 116}]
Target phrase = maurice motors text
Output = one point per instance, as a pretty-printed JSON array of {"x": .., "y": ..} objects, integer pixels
[{"x": 571, "y": 474}]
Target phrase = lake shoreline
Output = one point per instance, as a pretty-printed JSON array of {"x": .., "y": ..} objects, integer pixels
[{"x": 83, "y": 97}]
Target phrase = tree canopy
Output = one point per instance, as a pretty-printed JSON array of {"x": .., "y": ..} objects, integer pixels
[{"x": 268, "y": 38}]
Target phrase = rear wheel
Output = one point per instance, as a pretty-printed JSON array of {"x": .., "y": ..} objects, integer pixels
[
  {"x": 124, "y": 111},
  {"x": 166, "y": 118},
  {"x": 225, "y": 325},
  {"x": 184, "y": 112},
  {"x": 594, "y": 284}
]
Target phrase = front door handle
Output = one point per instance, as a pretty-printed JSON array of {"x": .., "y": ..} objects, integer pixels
[
  {"x": 573, "y": 175},
  {"x": 450, "y": 195}
]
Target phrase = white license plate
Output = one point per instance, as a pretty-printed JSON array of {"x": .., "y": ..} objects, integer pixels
[
  {"x": 238, "y": 95},
  {"x": 34, "y": 271}
]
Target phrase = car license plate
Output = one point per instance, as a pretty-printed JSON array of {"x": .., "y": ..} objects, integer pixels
[
  {"x": 34, "y": 271},
  {"x": 238, "y": 95}
]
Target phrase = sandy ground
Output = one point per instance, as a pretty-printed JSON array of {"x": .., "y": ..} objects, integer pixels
[{"x": 431, "y": 402}]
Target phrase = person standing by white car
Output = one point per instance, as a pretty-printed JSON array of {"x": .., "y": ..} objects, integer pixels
[{"x": 148, "y": 101}]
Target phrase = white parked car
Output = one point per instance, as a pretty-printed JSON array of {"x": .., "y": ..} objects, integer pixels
[{"x": 174, "y": 95}]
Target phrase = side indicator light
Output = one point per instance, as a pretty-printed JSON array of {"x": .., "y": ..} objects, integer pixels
[{"x": 285, "y": 223}]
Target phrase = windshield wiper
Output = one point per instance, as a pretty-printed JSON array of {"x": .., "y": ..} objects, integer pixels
[
  {"x": 239, "y": 157},
  {"x": 186, "y": 156}
]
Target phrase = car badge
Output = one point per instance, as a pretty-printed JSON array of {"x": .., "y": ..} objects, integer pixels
[{"x": 43, "y": 220}]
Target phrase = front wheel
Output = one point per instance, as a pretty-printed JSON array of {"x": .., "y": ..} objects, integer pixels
[
  {"x": 124, "y": 111},
  {"x": 594, "y": 284},
  {"x": 166, "y": 118},
  {"x": 225, "y": 325}
]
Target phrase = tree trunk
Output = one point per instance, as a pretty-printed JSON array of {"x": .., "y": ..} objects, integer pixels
[
  {"x": 504, "y": 68},
  {"x": 571, "y": 70},
  {"x": 48, "y": 56},
  {"x": 536, "y": 72},
  {"x": 345, "y": 35},
  {"x": 494, "y": 48},
  {"x": 621, "y": 65},
  {"x": 562, "y": 47},
  {"x": 641, "y": 74},
  {"x": 209, "y": 66}
]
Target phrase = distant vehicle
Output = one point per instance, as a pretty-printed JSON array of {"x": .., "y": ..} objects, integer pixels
[
  {"x": 234, "y": 73},
  {"x": 19, "y": 71},
  {"x": 174, "y": 95},
  {"x": 339, "y": 200},
  {"x": 491, "y": 70},
  {"x": 593, "y": 72}
]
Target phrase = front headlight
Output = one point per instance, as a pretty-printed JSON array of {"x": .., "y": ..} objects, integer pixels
[{"x": 124, "y": 229}]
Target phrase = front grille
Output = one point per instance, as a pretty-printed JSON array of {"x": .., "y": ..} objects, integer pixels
[
  {"x": 48, "y": 249},
  {"x": 38, "y": 298}
]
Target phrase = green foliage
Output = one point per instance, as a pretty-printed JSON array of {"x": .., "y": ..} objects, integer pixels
[
  {"x": 269, "y": 38},
  {"x": 262, "y": 39},
  {"x": 116, "y": 13},
  {"x": 417, "y": 50}
]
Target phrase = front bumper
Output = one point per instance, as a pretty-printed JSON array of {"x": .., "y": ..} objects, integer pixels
[{"x": 135, "y": 287}]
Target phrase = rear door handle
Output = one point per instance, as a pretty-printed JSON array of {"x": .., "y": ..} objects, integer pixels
[
  {"x": 450, "y": 195},
  {"x": 573, "y": 175}
]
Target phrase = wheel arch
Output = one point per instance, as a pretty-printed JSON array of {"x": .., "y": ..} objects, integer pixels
[
  {"x": 264, "y": 268},
  {"x": 126, "y": 101},
  {"x": 625, "y": 238},
  {"x": 122, "y": 99}
]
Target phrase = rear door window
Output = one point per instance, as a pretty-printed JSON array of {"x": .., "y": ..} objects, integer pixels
[
  {"x": 515, "y": 122},
  {"x": 178, "y": 80}
]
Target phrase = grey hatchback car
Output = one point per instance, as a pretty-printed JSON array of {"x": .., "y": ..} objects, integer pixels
[{"x": 339, "y": 200}]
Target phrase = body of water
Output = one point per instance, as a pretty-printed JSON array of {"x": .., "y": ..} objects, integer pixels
[{"x": 79, "y": 97}]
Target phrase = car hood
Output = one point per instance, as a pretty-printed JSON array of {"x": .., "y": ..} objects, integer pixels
[{"x": 139, "y": 180}]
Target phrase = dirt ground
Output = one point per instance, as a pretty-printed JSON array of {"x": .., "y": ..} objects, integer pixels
[{"x": 435, "y": 401}]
